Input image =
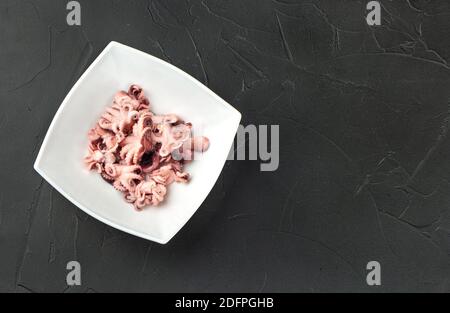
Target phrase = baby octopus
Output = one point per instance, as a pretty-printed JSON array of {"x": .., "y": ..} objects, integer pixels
[{"x": 138, "y": 152}]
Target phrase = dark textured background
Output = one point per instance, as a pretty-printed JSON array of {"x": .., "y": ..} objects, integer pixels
[{"x": 364, "y": 162}]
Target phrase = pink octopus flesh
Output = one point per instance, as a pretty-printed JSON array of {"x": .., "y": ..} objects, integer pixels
[{"x": 138, "y": 152}]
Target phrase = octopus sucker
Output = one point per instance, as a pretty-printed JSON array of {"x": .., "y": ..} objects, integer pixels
[{"x": 138, "y": 152}]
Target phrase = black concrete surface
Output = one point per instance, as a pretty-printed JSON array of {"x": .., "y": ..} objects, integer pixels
[{"x": 364, "y": 146}]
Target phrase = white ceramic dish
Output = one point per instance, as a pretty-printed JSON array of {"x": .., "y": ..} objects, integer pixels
[{"x": 170, "y": 90}]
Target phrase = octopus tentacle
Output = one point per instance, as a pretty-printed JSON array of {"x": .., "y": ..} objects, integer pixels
[
  {"x": 94, "y": 160},
  {"x": 118, "y": 119},
  {"x": 149, "y": 192},
  {"x": 155, "y": 161},
  {"x": 137, "y": 93},
  {"x": 124, "y": 176},
  {"x": 170, "y": 137},
  {"x": 135, "y": 146}
]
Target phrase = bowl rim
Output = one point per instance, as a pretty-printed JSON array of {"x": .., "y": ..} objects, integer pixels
[{"x": 37, "y": 168}]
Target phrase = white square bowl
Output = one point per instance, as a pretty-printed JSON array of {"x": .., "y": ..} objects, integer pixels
[{"x": 170, "y": 90}]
